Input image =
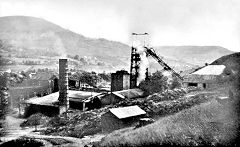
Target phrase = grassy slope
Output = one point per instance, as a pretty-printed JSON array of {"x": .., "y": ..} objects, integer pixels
[{"x": 205, "y": 124}]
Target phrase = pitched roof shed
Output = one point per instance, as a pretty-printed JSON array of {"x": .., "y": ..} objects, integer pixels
[{"x": 126, "y": 112}]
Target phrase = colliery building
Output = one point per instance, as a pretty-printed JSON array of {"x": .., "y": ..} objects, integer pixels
[
  {"x": 59, "y": 102},
  {"x": 207, "y": 77},
  {"x": 120, "y": 80},
  {"x": 117, "y": 96},
  {"x": 55, "y": 103},
  {"x": 48, "y": 104}
]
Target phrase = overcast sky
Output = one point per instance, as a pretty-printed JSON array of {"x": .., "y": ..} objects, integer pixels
[{"x": 169, "y": 22}]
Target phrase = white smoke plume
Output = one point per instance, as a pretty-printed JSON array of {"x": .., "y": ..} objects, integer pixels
[
  {"x": 59, "y": 47},
  {"x": 144, "y": 64},
  {"x": 169, "y": 76}
]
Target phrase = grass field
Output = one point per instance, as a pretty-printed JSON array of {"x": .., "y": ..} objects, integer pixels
[{"x": 209, "y": 123}]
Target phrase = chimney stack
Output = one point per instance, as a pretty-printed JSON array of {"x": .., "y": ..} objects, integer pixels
[{"x": 63, "y": 82}]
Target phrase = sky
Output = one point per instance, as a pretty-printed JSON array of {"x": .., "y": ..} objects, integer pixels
[{"x": 169, "y": 22}]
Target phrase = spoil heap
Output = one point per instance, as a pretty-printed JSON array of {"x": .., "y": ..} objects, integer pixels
[
  {"x": 78, "y": 124},
  {"x": 167, "y": 102}
]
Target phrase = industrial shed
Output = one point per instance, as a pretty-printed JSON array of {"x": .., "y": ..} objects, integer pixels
[
  {"x": 79, "y": 99},
  {"x": 117, "y": 118},
  {"x": 117, "y": 96},
  {"x": 44, "y": 105},
  {"x": 206, "y": 77},
  {"x": 120, "y": 80},
  {"x": 47, "y": 104}
]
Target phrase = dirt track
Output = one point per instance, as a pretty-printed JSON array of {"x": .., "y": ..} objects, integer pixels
[{"x": 14, "y": 131}]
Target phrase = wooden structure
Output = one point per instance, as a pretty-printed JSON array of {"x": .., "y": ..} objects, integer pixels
[
  {"x": 206, "y": 77},
  {"x": 117, "y": 96},
  {"x": 118, "y": 118}
]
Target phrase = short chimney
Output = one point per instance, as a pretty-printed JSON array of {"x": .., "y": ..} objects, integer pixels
[{"x": 63, "y": 82}]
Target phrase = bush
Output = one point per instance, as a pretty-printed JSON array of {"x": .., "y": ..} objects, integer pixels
[
  {"x": 156, "y": 83},
  {"x": 58, "y": 121},
  {"x": 176, "y": 83},
  {"x": 2, "y": 131},
  {"x": 23, "y": 142},
  {"x": 168, "y": 95},
  {"x": 78, "y": 124},
  {"x": 35, "y": 120}
]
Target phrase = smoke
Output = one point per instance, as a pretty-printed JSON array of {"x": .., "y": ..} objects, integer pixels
[
  {"x": 144, "y": 64},
  {"x": 169, "y": 76},
  {"x": 59, "y": 47}
]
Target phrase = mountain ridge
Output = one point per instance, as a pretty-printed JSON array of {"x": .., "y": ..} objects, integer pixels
[{"x": 31, "y": 36}]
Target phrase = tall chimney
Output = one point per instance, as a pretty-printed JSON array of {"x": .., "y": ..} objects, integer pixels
[{"x": 63, "y": 82}]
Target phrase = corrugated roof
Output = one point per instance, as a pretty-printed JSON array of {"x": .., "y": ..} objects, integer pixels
[
  {"x": 53, "y": 97},
  {"x": 129, "y": 93},
  {"x": 211, "y": 70},
  {"x": 81, "y": 94},
  {"x": 47, "y": 100},
  {"x": 126, "y": 112}
]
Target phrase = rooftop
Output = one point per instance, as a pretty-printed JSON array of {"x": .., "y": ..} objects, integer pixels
[
  {"x": 129, "y": 93},
  {"x": 125, "y": 112},
  {"x": 80, "y": 94},
  {"x": 47, "y": 100},
  {"x": 50, "y": 99},
  {"x": 210, "y": 70}
]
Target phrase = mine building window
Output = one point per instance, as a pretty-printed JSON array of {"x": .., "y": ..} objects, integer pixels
[{"x": 193, "y": 84}]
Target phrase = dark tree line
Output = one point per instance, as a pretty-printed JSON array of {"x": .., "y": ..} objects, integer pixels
[{"x": 3, "y": 108}]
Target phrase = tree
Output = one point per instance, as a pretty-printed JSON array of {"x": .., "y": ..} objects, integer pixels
[
  {"x": 4, "y": 96},
  {"x": 156, "y": 83},
  {"x": 89, "y": 78},
  {"x": 35, "y": 120},
  {"x": 106, "y": 77},
  {"x": 84, "y": 62},
  {"x": 175, "y": 83},
  {"x": 76, "y": 57}
]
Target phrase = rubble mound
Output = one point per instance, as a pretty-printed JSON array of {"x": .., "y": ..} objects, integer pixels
[
  {"x": 170, "y": 107},
  {"x": 171, "y": 94},
  {"x": 31, "y": 120},
  {"x": 167, "y": 102},
  {"x": 77, "y": 124}
]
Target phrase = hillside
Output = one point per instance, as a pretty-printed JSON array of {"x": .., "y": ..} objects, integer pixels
[
  {"x": 30, "y": 38},
  {"x": 211, "y": 123},
  {"x": 197, "y": 55},
  {"x": 36, "y": 33},
  {"x": 207, "y": 124},
  {"x": 231, "y": 61}
]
